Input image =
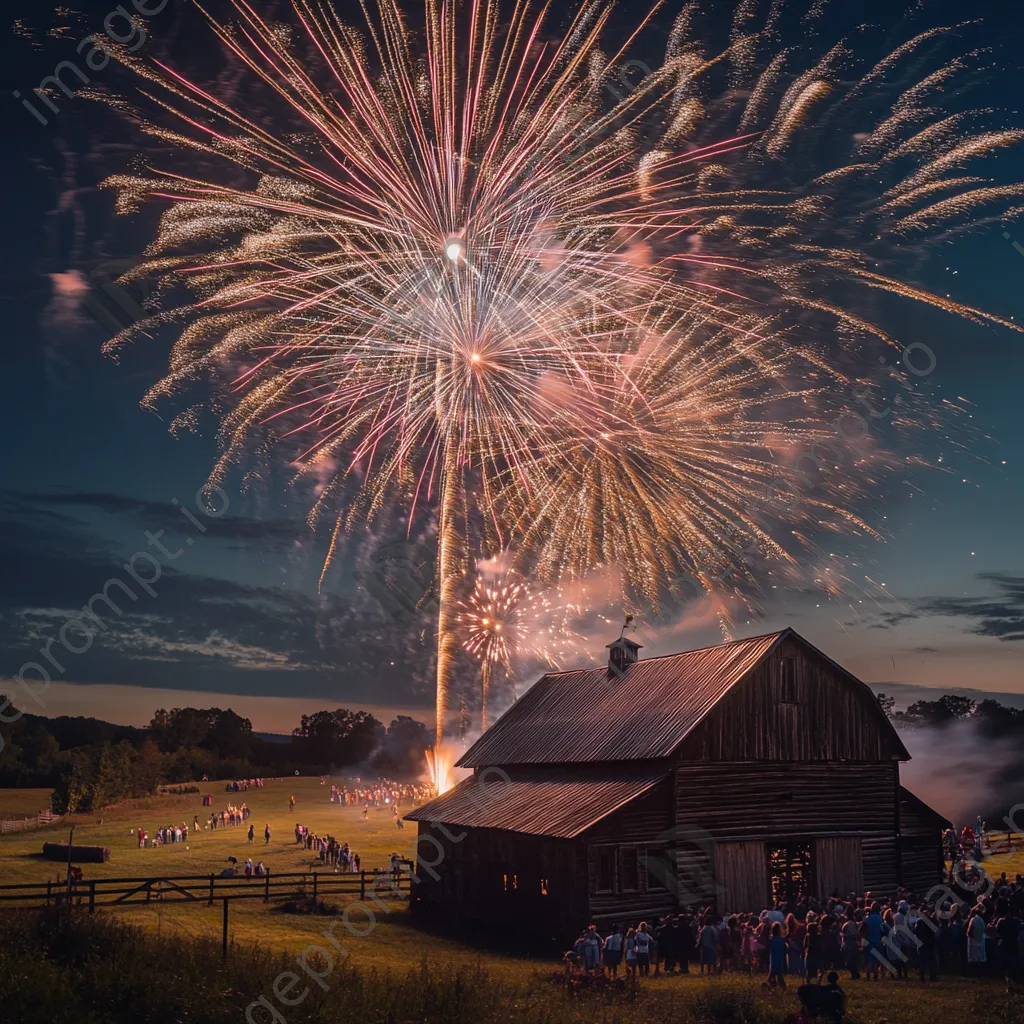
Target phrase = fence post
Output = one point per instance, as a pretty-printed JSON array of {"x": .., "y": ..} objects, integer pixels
[
  {"x": 211, "y": 890},
  {"x": 48, "y": 888},
  {"x": 362, "y": 885},
  {"x": 92, "y": 897},
  {"x": 266, "y": 888},
  {"x": 149, "y": 889},
  {"x": 314, "y": 886},
  {"x": 224, "y": 938}
]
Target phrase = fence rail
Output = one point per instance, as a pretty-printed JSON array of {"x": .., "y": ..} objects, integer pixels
[
  {"x": 39, "y": 820},
  {"x": 114, "y": 892}
]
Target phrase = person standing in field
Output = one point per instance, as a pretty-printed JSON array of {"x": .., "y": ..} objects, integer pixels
[
  {"x": 977, "y": 938},
  {"x": 707, "y": 939},
  {"x": 686, "y": 942},
  {"x": 643, "y": 948},
  {"x": 872, "y": 930},
  {"x": 925, "y": 930},
  {"x": 850, "y": 937},
  {"x": 266, "y": 834},
  {"x": 252, "y": 834},
  {"x": 591, "y": 949},
  {"x": 630, "y": 948},
  {"x": 795, "y": 931},
  {"x": 778, "y": 949},
  {"x": 613, "y": 951},
  {"x": 1007, "y": 927},
  {"x": 813, "y": 966}
]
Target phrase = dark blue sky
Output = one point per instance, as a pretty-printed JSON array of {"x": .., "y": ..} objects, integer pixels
[{"x": 85, "y": 472}]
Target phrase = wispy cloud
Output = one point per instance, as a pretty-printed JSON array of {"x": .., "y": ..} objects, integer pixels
[
  {"x": 999, "y": 614},
  {"x": 155, "y": 515},
  {"x": 200, "y": 631}
]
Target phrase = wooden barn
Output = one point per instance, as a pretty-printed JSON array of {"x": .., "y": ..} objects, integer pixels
[{"x": 736, "y": 775}]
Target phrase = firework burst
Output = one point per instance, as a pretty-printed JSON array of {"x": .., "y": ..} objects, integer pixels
[
  {"x": 504, "y": 621},
  {"x": 476, "y": 279},
  {"x": 491, "y": 618}
]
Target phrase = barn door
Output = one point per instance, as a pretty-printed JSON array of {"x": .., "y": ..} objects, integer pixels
[
  {"x": 741, "y": 871},
  {"x": 839, "y": 864}
]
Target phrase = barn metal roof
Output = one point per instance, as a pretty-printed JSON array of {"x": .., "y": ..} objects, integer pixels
[
  {"x": 584, "y": 715},
  {"x": 551, "y": 802}
]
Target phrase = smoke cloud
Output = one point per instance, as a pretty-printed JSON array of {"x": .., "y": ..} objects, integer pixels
[{"x": 961, "y": 772}]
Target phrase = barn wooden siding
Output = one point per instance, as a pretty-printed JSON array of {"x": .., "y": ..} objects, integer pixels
[
  {"x": 838, "y": 866},
  {"x": 833, "y": 718},
  {"x": 921, "y": 854},
  {"x": 642, "y": 830},
  {"x": 533, "y": 882},
  {"x": 740, "y": 801},
  {"x": 740, "y": 876}
]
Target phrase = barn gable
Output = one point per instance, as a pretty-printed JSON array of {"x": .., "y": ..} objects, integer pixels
[{"x": 795, "y": 705}]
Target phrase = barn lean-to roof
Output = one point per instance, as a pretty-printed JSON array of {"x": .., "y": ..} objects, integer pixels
[
  {"x": 916, "y": 815},
  {"x": 561, "y": 802},
  {"x": 589, "y": 715}
]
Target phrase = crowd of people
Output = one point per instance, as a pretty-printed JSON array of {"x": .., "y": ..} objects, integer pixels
[
  {"x": 870, "y": 938},
  {"x": 240, "y": 785},
  {"x": 230, "y": 815},
  {"x": 967, "y": 843},
  {"x": 168, "y": 834},
  {"x": 331, "y": 852},
  {"x": 382, "y": 793}
]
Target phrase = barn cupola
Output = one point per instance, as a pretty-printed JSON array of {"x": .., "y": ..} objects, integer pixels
[{"x": 622, "y": 653}]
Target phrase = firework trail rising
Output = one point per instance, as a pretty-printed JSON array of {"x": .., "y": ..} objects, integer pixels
[{"x": 473, "y": 279}]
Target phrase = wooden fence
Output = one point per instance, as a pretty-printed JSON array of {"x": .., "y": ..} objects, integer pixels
[
  {"x": 122, "y": 892},
  {"x": 39, "y": 820}
]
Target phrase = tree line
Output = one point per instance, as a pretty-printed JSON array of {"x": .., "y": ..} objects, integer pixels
[
  {"x": 992, "y": 719},
  {"x": 91, "y": 764}
]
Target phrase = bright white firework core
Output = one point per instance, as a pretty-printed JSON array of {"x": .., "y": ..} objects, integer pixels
[{"x": 453, "y": 250}]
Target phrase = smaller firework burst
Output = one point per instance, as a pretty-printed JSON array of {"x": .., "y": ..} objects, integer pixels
[
  {"x": 492, "y": 622},
  {"x": 505, "y": 620}
]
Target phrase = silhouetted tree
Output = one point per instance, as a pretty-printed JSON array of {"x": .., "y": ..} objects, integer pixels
[
  {"x": 403, "y": 749},
  {"x": 339, "y": 737},
  {"x": 886, "y": 703}
]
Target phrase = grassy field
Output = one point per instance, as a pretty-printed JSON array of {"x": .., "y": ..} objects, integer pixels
[
  {"x": 207, "y": 851},
  {"x": 23, "y": 803},
  {"x": 96, "y": 970},
  {"x": 396, "y": 945},
  {"x": 394, "y": 940}
]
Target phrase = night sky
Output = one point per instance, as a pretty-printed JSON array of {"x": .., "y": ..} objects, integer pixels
[{"x": 236, "y": 618}]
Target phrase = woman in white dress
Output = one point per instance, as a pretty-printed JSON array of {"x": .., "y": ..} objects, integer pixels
[{"x": 977, "y": 934}]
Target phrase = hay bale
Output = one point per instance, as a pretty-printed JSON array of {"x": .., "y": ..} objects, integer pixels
[{"x": 83, "y": 854}]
